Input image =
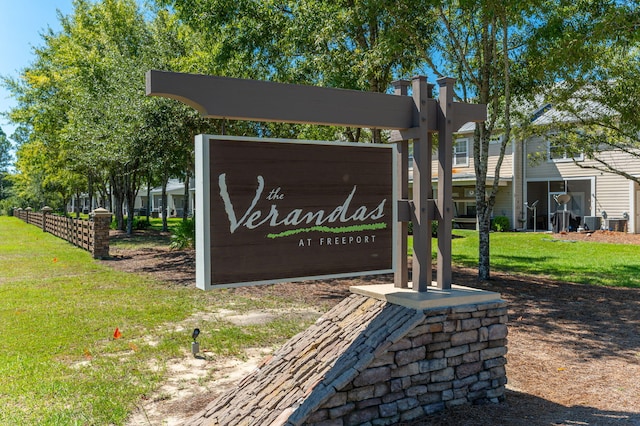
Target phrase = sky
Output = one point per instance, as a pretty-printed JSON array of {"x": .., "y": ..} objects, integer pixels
[{"x": 21, "y": 24}]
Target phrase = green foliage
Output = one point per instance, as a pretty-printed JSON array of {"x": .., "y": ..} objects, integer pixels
[
  {"x": 141, "y": 224},
  {"x": 183, "y": 235},
  {"x": 597, "y": 101},
  {"x": 138, "y": 223},
  {"x": 500, "y": 223},
  {"x": 353, "y": 45},
  {"x": 83, "y": 115},
  {"x": 5, "y": 153},
  {"x": 434, "y": 228}
]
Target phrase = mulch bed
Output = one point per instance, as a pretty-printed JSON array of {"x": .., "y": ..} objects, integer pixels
[{"x": 574, "y": 350}]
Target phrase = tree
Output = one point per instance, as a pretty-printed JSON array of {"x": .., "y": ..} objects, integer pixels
[
  {"x": 5, "y": 152},
  {"x": 347, "y": 44},
  {"x": 596, "y": 104},
  {"x": 5, "y": 161},
  {"x": 83, "y": 99},
  {"x": 480, "y": 45}
]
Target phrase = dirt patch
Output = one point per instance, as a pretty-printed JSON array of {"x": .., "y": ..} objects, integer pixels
[
  {"x": 574, "y": 350},
  {"x": 189, "y": 385},
  {"x": 600, "y": 236}
]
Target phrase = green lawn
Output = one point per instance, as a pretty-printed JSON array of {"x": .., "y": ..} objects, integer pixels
[
  {"x": 59, "y": 362},
  {"x": 540, "y": 254}
]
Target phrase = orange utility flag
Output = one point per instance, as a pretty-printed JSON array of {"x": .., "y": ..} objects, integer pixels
[{"x": 117, "y": 334}]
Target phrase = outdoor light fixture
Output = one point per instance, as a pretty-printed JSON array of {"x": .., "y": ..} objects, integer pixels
[{"x": 195, "y": 346}]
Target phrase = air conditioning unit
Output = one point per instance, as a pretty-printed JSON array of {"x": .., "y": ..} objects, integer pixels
[{"x": 592, "y": 222}]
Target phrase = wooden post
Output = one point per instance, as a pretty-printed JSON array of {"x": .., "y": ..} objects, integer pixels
[
  {"x": 445, "y": 181},
  {"x": 401, "y": 275},
  {"x": 422, "y": 191}
]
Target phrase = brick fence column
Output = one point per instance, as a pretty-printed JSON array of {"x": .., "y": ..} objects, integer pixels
[
  {"x": 28, "y": 210},
  {"x": 45, "y": 211},
  {"x": 18, "y": 213},
  {"x": 101, "y": 223}
]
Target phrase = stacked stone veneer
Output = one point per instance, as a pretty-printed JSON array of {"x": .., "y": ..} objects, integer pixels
[{"x": 374, "y": 363}]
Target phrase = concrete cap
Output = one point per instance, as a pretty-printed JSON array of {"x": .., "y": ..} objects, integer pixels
[
  {"x": 433, "y": 298},
  {"x": 101, "y": 212}
]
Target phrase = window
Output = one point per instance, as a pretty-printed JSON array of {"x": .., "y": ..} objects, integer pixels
[
  {"x": 559, "y": 154},
  {"x": 461, "y": 152}
]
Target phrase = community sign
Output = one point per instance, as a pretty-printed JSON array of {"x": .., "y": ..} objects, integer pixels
[{"x": 289, "y": 210}]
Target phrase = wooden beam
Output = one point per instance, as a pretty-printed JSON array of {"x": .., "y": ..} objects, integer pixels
[{"x": 240, "y": 99}]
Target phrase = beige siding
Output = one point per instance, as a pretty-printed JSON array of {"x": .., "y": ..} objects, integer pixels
[
  {"x": 465, "y": 177},
  {"x": 504, "y": 204},
  {"x": 506, "y": 169},
  {"x": 567, "y": 169},
  {"x": 612, "y": 193}
]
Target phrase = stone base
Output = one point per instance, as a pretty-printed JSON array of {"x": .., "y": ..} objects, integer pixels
[{"x": 368, "y": 361}]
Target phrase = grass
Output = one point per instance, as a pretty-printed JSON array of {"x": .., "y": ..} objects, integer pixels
[
  {"x": 59, "y": 361},
  {"x": 581, "y": 262}
]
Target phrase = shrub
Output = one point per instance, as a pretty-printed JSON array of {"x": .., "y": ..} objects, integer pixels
[
  {"x": 434, "y": 228},
  {"x": 183, "y": 235},
  {"x": 500, "y": 223},
  {"x": 140, "y": 223}
]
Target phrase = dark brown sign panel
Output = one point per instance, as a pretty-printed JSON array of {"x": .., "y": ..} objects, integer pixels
[{"x": 291, "y": 210}]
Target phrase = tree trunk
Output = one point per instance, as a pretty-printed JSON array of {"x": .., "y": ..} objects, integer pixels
[
  {"x": 131, "y": 184},
  {"x": 131, "y": 199},
  {"x": 185, "y": 203},
  {"x": 148, "y": 209},
  {"x": 77, "y": 205},
  {"x": 90, "y": 191},
  {"x": 484, "y": 228},
  {"x": 118, "y": 201},
  {"x": 165, "y": 225},
  {"x": 130, "y": 195}
]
